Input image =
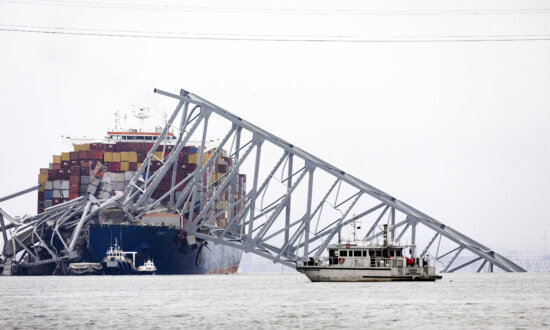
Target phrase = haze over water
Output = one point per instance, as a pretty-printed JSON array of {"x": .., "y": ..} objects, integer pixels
[{"x": 484, "y": 301}]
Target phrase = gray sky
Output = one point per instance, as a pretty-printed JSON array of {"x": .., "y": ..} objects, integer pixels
[{"x": 457, "y": 129}]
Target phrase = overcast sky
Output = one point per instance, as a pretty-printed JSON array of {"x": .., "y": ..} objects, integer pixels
[{"x": 458, "y": 129}]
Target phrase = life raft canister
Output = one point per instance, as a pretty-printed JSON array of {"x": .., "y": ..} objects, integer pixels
[{"x": 341, "y": 260}]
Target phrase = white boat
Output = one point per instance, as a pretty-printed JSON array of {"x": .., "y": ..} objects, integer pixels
[
  {"x": 148, "y": 268},
  {"x": 369, "y": 263}
]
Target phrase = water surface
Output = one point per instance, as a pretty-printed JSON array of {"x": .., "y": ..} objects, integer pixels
[{"x": 274, "y": 301}]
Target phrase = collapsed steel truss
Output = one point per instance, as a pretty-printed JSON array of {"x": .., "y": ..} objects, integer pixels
[{"x": 296, "y": 206}]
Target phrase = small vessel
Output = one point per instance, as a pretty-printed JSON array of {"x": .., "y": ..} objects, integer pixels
[
  {"x": 148, "y": 268},
  {"x": 85, "y": 268},
  {"x": 116, "y": 262},
  {"x": 369, "y": 263}
]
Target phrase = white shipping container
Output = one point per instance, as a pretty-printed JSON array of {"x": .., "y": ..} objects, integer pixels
[
  {"x": 94, "y": 181},
  {"x": 65, "y": 193},
  {"x": 128, "y": 175},
  {"x": 107, "y": 187},
  {"x": 65, "y": 185},
  {"x": 56, "y": 193},
  {"x": 119, "y": 185},
  {"x": 84, "y": 179},
  {"x": 119, "y": 177},
  {"x": 92, "y": 189},
  {"x": 56, "y": 184},
  {"x": 48, "y": 185}
]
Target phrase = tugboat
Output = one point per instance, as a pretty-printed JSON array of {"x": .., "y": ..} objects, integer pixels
[
  {"x": 116, "y": 262},
  {"x": 369, "y": 263},
  {"x": 148, "y": 268}
]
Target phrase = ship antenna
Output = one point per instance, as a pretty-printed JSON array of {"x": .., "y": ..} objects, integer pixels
[
  {"x": 354, "y": 229},
  {"x": 385, "y": 235}
]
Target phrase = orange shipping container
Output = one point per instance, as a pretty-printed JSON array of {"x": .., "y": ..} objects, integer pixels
[
  {"x": 57, "y": 159},
  {"x": 65, "y": 156},
  {"x": 108, "y": 157},
  {"x": 42, "y": 178},
  {"x": 125, "y": 156},
  {"x": 116, "y": 157},
  {"x": 193, "y": 158},
  {"x": 133, "y": 157},
  {"x": 124, "y": 166}
]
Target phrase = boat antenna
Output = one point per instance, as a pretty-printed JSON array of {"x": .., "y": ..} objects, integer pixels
[{"x": 385, "y": 235}]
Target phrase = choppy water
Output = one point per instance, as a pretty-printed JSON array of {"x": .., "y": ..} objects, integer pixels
[{"x": 274, "y": 301}]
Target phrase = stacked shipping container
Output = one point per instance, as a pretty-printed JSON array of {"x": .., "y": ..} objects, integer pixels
[{"x": 102, "y": 168}]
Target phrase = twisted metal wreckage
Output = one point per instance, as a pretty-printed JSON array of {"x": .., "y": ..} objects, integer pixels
[{"x": 284, "y": 219}]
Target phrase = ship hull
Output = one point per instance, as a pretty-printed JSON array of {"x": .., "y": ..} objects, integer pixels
[
  {"x": 343, "y": 274},
  {"x": 166, "y": 246}
]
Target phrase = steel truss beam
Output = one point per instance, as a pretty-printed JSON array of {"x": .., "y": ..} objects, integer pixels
[
  {"x": 286, "y": 230},
  {"x": 272, "y": 231}
]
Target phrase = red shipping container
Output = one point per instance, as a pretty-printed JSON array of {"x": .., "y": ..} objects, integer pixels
[
  {"x": 73, "y": 155},
  {"x": 141, "y": 146},
  {"x": 132, "y": 167},
  {"x": 85, "y": 170},
  {"x": 74, "y": 188},
  {"x": 65, "y": 164},
  {"x": 141, "y": 155},
  {"x": 85, "y": 154},
  {"x": 75, "y": 170},
  {"x": 109, "y": 147},
  {"x": 74, "y": 180},
  {"x": 222, "y": 168},
  {"x": 115, "y": 167},
  {"x": 96, "y": 146},
  {"x": 98, "y": 154},
  {"x": 56, "y": 166},
  {"x": 51, "y": 175},
  {"x": 84, "y": 163},
  {"x": 75, "y": 163},
  {"x": 73, "y": 195},
  {"x": 41, "y": 196}
]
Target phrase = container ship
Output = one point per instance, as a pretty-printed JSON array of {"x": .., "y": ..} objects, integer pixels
[{"x": 158, "y": 235}]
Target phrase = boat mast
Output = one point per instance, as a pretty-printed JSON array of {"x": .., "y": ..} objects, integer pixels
[{"x": 385, "y": 235}]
